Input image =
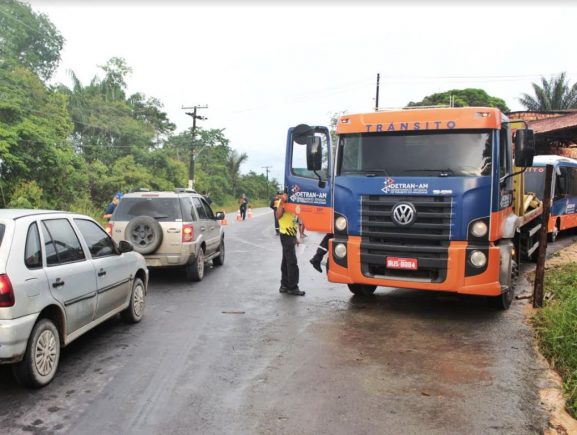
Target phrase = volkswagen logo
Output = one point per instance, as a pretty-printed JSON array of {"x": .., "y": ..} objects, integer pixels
[{"x": 404, "y": 214}]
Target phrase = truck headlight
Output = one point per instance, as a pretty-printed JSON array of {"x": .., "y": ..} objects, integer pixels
[
  {"x": 479, "y": 229},
  {"x": 341, "y": 223},
  {"x": 478, "y": 259},
  {"x": 340, "y": 250}
]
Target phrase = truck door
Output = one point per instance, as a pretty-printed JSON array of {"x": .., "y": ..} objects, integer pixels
[{"x": 309, "y": 190}]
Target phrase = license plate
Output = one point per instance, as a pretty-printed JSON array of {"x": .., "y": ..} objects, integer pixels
[{"x": 402, "y": 263}]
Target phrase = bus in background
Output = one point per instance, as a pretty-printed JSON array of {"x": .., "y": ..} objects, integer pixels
[{"x": 564, "y": 190}]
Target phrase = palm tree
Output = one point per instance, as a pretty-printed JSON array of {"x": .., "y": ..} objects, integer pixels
[
  {"x": 233, "y": 162},
  {"x": 555, "y": 94}
]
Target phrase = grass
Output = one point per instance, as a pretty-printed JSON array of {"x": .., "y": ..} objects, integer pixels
[
  {"x": 231, "y": 205},
  {"x": 556, "y": 326}
]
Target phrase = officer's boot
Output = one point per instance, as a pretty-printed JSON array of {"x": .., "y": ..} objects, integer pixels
[{"x": 316, "y": 260}]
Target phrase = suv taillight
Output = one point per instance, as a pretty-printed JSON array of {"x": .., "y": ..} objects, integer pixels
[
  {"x": 187, "y": 233},
  {"x": 6, "y": 292},
  {"x": 109, "y": 229}
]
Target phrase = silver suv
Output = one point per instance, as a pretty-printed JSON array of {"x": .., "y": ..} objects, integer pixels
[
  {"x": 170, "y": 229},
  {"x": 60, "y": 276}
]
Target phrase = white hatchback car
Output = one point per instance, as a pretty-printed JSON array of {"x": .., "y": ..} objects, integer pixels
[{"x": 60, "y": 276}]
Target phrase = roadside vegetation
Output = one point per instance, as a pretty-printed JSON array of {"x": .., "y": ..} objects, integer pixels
[
  {"x": 72, "y": 146},
  {"x": 556, "y": 326}
]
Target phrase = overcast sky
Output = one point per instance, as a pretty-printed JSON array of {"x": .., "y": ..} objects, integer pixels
[{"x": 262, "y": 69}]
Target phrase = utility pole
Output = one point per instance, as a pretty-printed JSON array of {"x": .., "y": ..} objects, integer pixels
[
  {"x": 191, "y": 162},
  {"x": 377, "y": 96},
  {"x": 266, "y": 168},
  {"x": 538, "y": 291}
]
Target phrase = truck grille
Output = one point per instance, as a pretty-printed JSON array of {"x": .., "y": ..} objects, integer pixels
[{"x": 426, "y": 239}]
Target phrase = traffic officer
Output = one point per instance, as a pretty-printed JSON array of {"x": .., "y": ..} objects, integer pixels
[{"x": 289, "y": 267}]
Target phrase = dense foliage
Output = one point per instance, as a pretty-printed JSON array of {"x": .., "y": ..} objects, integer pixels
[
  {"x": 557, "y": 328},
  {"x": 72, "y": 147},
  {"x": 463, "y": 98}
]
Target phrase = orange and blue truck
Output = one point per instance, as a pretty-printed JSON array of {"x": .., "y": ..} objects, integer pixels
[{"x": 421, "y": 198}]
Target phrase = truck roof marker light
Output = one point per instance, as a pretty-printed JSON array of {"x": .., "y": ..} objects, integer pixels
[{"x": 483, "y": 114}]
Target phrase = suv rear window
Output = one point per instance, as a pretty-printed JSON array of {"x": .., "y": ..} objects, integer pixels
[
  {"x": 162, "y": 209},
  {"x": 2, "y": 229}
]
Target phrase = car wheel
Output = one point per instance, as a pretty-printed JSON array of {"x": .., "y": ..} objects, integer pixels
[
  {"x": 362, "y": 289},
  {"x": 145, "y": 234},
  {"x": 40, "y": 362},
  {"x": 195, "y": 270},
  {"x": 135, "y": 310},
  {"x": 219, "y": 261}
]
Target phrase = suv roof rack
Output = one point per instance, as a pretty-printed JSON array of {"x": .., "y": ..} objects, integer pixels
[
  {"x": 184, "y": 190},
  {"x": 139, "y": 189}
]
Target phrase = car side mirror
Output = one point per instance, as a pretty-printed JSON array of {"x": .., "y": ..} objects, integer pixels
[
  {"x": 219, "y": 216},
  {"x": 524, "y": 147},
  {"x": 125, "y": 246}
]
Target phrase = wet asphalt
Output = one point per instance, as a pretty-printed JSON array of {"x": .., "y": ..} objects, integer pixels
[{"x": 230, "y": 355}]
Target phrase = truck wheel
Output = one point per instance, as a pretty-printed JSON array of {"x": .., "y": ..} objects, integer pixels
[
  {"x": 362, "y": 289},
  {"x": 195, "y": 270},
  {"x": 504, "y": 300},
  {"x": 40, "y": 362}
]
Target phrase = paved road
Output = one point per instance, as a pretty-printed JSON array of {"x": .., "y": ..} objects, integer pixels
[{"x": 230, "y": 355}]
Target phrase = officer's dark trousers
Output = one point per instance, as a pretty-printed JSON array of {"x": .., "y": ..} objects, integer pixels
[{"x": 289, "y": 267}]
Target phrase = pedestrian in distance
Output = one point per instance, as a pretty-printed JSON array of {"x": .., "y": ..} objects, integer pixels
[
  {"x": 243, "y": 204},
  {"x": 321, "y": 251},
  {"x": 289, "y": 282},
  {"x": 112, "y": 205}
]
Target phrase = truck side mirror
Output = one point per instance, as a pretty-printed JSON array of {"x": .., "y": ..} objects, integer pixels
[
  {"x": 314, "y": 153},
  {"x": 524, "y": 147}
]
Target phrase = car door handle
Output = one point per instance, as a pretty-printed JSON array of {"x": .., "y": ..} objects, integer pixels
[
  {"x": 102, "y": 272},
  {"x": 173, "y": 230},
  {"x": 57, "y": 283}
]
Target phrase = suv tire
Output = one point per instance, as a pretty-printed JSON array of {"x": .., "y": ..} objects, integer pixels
[
  {"x": 219, "y": 261},
  {"x": 195, "y": 270},
  {"x": 145, "y": 234}
]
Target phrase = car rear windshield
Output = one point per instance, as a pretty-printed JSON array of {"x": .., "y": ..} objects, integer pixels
[
  {"x": 2, "y": 229},
  {"x": 162, "y": 209}
]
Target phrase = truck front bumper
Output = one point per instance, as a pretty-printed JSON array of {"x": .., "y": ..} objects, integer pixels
[{"x": 483, "y": 284}]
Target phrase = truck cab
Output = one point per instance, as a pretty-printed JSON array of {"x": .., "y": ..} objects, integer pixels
[{"x": 420, "y": 198}]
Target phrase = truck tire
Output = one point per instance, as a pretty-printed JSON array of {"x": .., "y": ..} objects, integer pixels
[
  {"x": 504, "y": 300},
  {"x": 362, "y": 289},
  {"x": 145, "y": 234}
]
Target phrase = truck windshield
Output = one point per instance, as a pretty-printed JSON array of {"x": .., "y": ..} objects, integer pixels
[{"x": 431, "y": 154}]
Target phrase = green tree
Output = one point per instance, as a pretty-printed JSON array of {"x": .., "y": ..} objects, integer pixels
[
  {"x": 34, "y": 127},
  {"x": 553, "y": 94},
  {"x": 29, "y": 38},
  {"x": 462, "y": 98},
  {"x": 233, "y": 162}
]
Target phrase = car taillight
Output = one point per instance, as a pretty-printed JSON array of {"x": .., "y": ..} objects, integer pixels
[
  {"x": 187, "y": 233},
  {"x": 6, "y": 292},
  {"x": 109, "y": 229}
]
